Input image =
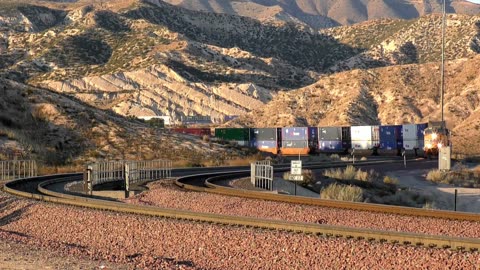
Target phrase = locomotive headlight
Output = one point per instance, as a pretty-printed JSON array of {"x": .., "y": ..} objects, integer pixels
[
  {"x": 434, "y": 136},
  {"x": 439, "y": 145},
  {"x": 429, "y": 146}
]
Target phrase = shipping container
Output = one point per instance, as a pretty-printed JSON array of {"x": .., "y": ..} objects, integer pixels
[
  {"x": 389, "y": 145},
  {"x": 391, "y": 137},
  {"x": 410, "y": 144},
  {"x": 264, "y": 134},
  {"x": 376, "y": 135},
  {"x": 193, "y": 131},
  {"x": 266, "y": 146},
  {"x": 361, "y": 133},
  {"x": 409, "y": 132},
  {"x": 295, "y": 144},
  {"x": 295, "y": 148},
  {"x": 346, "y": 138},
  {"x": 313, "y": 138},
  {"x": 365, "y": 137},
  {"x": 363, "y": 145},
  {"x": 420, "y": 129},
  {"x": 346, "y": 134},
  {"x": 196, "y": 119},
  {"x": 330, "y": 133},
  {"x": 233, "y": 134},
  {"x": 331, "y": 146},
  {"x": 387, "y": 133},
  {"x": 294, "y": 133}
]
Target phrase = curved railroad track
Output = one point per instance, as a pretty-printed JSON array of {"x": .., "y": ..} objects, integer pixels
[{"x": 42, "y": 188}]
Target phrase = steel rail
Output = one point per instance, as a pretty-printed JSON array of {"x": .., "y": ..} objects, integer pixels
[{"x": 210, "y": 187}]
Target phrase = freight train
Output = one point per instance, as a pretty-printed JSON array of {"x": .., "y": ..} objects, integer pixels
[{"x": 313, "y": 140}]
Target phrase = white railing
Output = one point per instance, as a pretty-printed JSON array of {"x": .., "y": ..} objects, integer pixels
[
  {"x": 127, "y": 171},
  {"x": 138, "y": 171},
  {"x": 261, "y": 174},
  {"x": 15, "y": 169}
]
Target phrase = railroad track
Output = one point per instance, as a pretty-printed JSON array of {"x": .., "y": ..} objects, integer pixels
[{"x": 40, "y": 188}]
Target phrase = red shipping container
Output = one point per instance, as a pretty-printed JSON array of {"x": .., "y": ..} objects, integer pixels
[{"x": 193, "y": 131}]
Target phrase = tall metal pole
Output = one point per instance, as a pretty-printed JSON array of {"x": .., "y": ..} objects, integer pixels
[{"x": 442, "y": 80}]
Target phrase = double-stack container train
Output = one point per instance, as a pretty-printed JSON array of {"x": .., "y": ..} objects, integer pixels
[{"x": 311, "y": 140}]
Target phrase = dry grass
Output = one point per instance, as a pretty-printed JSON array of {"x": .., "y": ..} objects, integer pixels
[
  {"x": 459, "y": 176},
  {"x": 350, "y": 173},
  {"x": 342, "y": 193},
  {"x": 390, "y": 180}
]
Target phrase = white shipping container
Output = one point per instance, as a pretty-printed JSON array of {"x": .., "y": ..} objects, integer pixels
[
  {"x": 410, "y": 144},
  {"x": 362, "y": 145},
  {"x": 409, "y": 132},
  {"x": 167, "y": 120},
  {"x": 361, "y": 133}
]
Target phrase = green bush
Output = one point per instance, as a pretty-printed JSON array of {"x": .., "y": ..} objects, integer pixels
[{"x": 342, "y": 193}]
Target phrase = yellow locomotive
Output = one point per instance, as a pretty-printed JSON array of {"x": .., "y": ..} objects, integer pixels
[{"x": 436, "y": 136}]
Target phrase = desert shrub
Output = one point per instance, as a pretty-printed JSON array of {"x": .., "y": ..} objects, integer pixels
[
  {"x": 390, "y": 180},
  {"x": 435, "y": 176},
  {"x": 335, "y": 157},
  {"x": 406, "y": 198},
  {"x": 206, "y": 138},
  {"x": 345, "y": 159},
  {"x": 350, "y": 173},
  {"x": 363, "y": 158},
  {"x": 429, "y": 205},
  {"x": 342, "y": 193}
]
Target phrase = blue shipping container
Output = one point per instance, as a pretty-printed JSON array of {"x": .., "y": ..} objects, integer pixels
[
  {"x": 389, "y": 145},
  {"x": 332, "y": 146},
  {"x": 294, "y": 133},
  {"x": 420, "y": 129}
]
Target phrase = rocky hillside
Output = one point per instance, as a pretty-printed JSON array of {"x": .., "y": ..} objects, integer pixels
[
  {"x": 327, "y": 13},
  {"x": 116, "y": 60}
]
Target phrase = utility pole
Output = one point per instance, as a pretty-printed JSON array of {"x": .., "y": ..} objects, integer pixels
[{"x": 442, "y": 79}]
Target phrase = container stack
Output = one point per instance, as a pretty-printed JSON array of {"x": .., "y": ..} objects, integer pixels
[
  {"x": 420, "y": 135},
  {"x": 330, "y": 139},
  {"x": 240, "y": 136},
  {"x": 295, "y": 141},
  {"x": 265, "y": 139},
  {"x": 365, "y": 137},
  {"x": 410, "y": 137},
  {"x": 391, "y": 137},
  {"x": 313, "y": 138}
]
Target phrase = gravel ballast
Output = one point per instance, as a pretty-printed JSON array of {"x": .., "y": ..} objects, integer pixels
[
  {"x": 142, "y": 242},
  {"x": 165, "y": 193}
]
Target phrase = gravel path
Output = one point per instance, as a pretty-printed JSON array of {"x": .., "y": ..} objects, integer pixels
[
  {"x": 165, "y": 193},
  {"x": 141, "y": 242}
]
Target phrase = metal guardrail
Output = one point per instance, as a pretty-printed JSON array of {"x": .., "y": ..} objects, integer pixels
[
  {"x": 15, "y": 169},
  {"x": 128, "y": 171},
  {"x": 262, "y": 174}
]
